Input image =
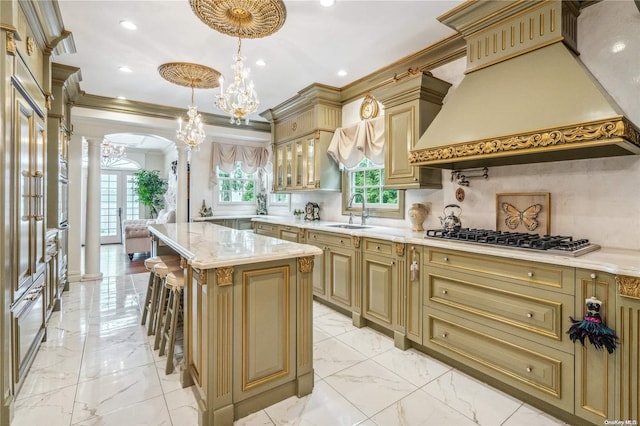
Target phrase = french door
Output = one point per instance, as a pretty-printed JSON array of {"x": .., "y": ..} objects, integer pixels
[{"x": 118, "y": 201}]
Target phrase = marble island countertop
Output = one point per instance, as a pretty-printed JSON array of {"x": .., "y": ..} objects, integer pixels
[
  {"x": 612, "y": 260},
  {"x": 207, "y": 246}
]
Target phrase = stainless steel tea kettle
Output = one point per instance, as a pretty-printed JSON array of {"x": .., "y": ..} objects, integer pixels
[{"x": 450, "y": 222}]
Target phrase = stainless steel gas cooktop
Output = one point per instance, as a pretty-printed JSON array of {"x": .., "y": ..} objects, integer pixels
[{"x": 552, "y": 244}]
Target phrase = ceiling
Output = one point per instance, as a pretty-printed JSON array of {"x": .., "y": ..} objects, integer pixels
[{"x": 358, "y": 36}]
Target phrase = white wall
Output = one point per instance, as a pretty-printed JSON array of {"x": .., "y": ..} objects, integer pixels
[{"x": 597, "y": 198}]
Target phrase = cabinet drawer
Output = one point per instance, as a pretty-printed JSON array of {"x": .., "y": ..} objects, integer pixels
[
  {"x": 536, "y": 314},
  {"x": 543, "y": 372},
  {"x": 378, "y": 246},
  {"x": 543, "y": 275},
  {"x": 339, "y": 240},
  {"x": 267, "y": 229}
]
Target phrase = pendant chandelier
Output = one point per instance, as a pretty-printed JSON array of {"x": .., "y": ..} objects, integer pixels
[
  {"x": 192, "y": 134},
  {"x": 240, "y": 99},
  {"x": 195, "y": 76},
  {"x": 241, "y": 19},
  {"x": 109, "y": 153}
]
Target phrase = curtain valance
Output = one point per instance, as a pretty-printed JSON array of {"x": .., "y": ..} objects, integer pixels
[
  {"x": 225, "y": 156},
  {"x": 350, "y": 145}
]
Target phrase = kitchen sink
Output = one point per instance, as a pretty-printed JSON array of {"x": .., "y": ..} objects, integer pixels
[{"x": 349, "y": 226}]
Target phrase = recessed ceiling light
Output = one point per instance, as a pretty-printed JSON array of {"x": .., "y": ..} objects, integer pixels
[
  {"x": 342, "y": 73},
  {"x": 261, "y": 63},
  {"x": 327, "y": 3},
  {"x": 121, "y": 98},
  {"x": 128, "y": 25},
  {"x": 125, "y": 69},
  {"x": 618, "y": 47}
]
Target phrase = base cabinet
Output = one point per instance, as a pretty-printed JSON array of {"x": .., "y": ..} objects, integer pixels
[
  {"x": 248, "y": 337},
  {"x": 384, "y": 286},
  {"x": 414, "y": 270},
  {"x": 628, "y": 354},
  {"x": 340, "y": 269},
  {"x": 595, "y": 369},
  {"x": 504, "y": 318}
]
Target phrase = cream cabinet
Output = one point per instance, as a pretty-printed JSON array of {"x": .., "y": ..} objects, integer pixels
[
  {"x": 238, "y": 223},
  {"x": 302, "y": 128},
  {"x": 304, "y": 165},
  {"x": 595, "y": 369},
  {"x": 410, "y": 106},
  {"x": 628, "y": 355},
  {"x": 504, "y": 318},
  {"x": 414, "y": 269},
  {"x": 384, "y": 286},
  {"x": 341, "y": 270}
]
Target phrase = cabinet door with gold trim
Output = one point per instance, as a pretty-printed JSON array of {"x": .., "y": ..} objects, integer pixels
[{"x": 595, "y": 369}]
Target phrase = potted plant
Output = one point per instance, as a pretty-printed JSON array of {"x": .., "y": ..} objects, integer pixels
[
  {"x": 150, "y": 188},
  {"x": 297, "y": 213}
]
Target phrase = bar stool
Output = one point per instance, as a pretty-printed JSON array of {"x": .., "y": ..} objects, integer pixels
[
  {"x": 149, "y": 263},
  {"x": 158, "y": 295},
  {"x": 174, "y": 283},
  {"x": 161, "y": 300}
]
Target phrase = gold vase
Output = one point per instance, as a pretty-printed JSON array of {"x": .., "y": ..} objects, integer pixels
[{"x": 417, "y": 214}]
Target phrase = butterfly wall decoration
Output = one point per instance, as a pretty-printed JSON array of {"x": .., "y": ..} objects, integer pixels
[
  {"x": 527, "y": 217},
  {"x": 528, "y": 212}
]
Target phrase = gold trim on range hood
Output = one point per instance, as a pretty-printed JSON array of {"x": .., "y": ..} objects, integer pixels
[{"x": 526, "y": 102}]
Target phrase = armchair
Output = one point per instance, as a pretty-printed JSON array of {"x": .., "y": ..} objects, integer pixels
[{"x": 136, "y": 236}]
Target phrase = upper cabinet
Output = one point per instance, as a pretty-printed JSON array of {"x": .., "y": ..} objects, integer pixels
[
  {"x": 302, "y": 129},
  {"x": 410, "y": 106}
]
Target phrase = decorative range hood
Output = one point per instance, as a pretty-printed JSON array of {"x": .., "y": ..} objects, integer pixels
[{"x": 526, "y": 97}]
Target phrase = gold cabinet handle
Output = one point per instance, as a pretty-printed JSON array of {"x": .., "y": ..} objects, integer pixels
[
  {"x": 446, "y": 259},
  {"x": 593, "y": 276},
  {"x": 529, "y": 315},
  {"x": 444, "y": 291},
  {"x": 529, "y": 369},
  {"x": 530, "y": 274},
  {"x": 377, "y": 247},
  {"x": 444, "y": 335}
]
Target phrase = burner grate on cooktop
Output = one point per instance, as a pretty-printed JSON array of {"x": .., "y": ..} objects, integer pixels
[{"x": 517, "y": 239}]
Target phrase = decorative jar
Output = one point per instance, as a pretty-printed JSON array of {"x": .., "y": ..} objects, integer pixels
[{"x": 417, "y": 214}]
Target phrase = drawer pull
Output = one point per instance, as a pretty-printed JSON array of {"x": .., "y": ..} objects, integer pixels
[
  {"x": 341, "y": 241},
  {"x": 529, "y": 369},
  {"x": 529, "y": 315},
  {"x": 530, "y": 274},
  {"x": 377, "y": 247},
  {"x": 593, "y": 276},
  {"x": 444, "y": 335},
  {"x": 444, "y": 291},
  {"x": 446, "y": 259}
]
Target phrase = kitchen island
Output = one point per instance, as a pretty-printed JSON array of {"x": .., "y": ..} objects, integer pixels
[{"x": 247, "y": 317}]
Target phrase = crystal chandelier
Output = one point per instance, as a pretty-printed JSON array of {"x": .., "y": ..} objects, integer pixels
[
  {"x": 110, "y": 151},
  {"x": 240, "y": 99},
  {"x": 192, "y": 134}
]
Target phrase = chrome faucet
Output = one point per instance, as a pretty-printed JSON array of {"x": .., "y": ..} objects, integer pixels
[{"x": 364, "y": 210}]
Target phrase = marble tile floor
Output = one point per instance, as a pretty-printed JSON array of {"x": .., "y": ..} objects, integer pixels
[{"x": 98, "y": 367}]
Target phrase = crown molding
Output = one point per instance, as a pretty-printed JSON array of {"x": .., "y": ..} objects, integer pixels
[{"x": 158, "y": 111}]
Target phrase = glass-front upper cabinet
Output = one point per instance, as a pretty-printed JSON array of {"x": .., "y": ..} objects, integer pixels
[
  {"x": 288, "y": 164},
  {"x": 299, "y": 164},
  {"x": 280, "y": 167},
  {"x": 311, "y": 162}
]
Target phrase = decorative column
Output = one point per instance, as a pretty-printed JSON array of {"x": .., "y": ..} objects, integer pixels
[
  {"x": 182, "y": 211},
  {"x": 92, "y": 239},
  {"x": 76, "y": 221}
]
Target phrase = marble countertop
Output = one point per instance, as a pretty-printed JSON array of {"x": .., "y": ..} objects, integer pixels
[
  {"x": 225, "y": 216},
  {"x": 612, "y": 260},
  {"x": 207, "y": 246}
]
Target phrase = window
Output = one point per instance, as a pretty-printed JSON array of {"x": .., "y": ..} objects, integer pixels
[
  {"x": 236, "y": 187},
  {"x": 367, "y": 178},
  {"x": 279, "y": 198}
]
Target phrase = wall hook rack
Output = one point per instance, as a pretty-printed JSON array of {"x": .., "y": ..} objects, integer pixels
[{"x": 462, "y": 176}]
